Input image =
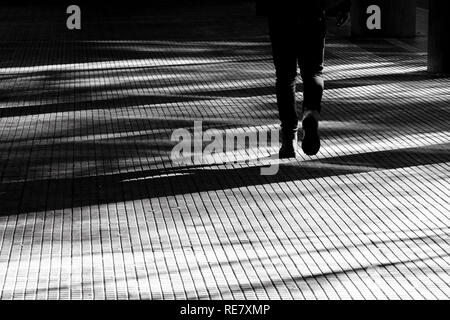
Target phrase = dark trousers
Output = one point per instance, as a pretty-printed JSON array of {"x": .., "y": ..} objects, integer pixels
[{"x": 297, "y": 41}]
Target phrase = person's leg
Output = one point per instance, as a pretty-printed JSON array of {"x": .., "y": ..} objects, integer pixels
[
  {"x": 310, "y": 52},
  {"x": 285, "y": 61}
]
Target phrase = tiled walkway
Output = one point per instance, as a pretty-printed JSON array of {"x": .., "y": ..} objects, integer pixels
[{"x": 92, "y": 207}]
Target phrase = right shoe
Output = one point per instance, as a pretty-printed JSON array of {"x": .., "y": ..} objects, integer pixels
[{"x": 311, "y": 138}]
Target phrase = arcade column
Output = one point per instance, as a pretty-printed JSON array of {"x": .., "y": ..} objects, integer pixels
[
  {"x": 397, "y": 18},
  {"x": 438, "y": 37}
]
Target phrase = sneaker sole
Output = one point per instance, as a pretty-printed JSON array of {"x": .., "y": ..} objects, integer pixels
[{"x": 311, "y": 138}]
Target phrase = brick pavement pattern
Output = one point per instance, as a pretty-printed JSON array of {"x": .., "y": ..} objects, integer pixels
[{"x": 92, "y": 207}]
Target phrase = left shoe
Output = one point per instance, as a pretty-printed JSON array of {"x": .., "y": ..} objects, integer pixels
[
  {"x": 311, "y": 138},
  {"x": 288, "y": 148}
]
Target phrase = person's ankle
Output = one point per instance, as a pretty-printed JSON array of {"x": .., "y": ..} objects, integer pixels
[{"x": 311, "y": 113}]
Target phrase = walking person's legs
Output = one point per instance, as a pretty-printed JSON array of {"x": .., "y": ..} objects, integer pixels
[
  {"x": 297, "y": 34},
  {"x": 298, "y": 41}
]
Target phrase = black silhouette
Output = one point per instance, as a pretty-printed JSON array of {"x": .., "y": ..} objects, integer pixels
[{"x": 297, "y": 32}]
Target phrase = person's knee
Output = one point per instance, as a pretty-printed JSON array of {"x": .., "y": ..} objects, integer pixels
[
  {"x": 312, "y": 74},
  {"x": 286, "y": 79}
]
